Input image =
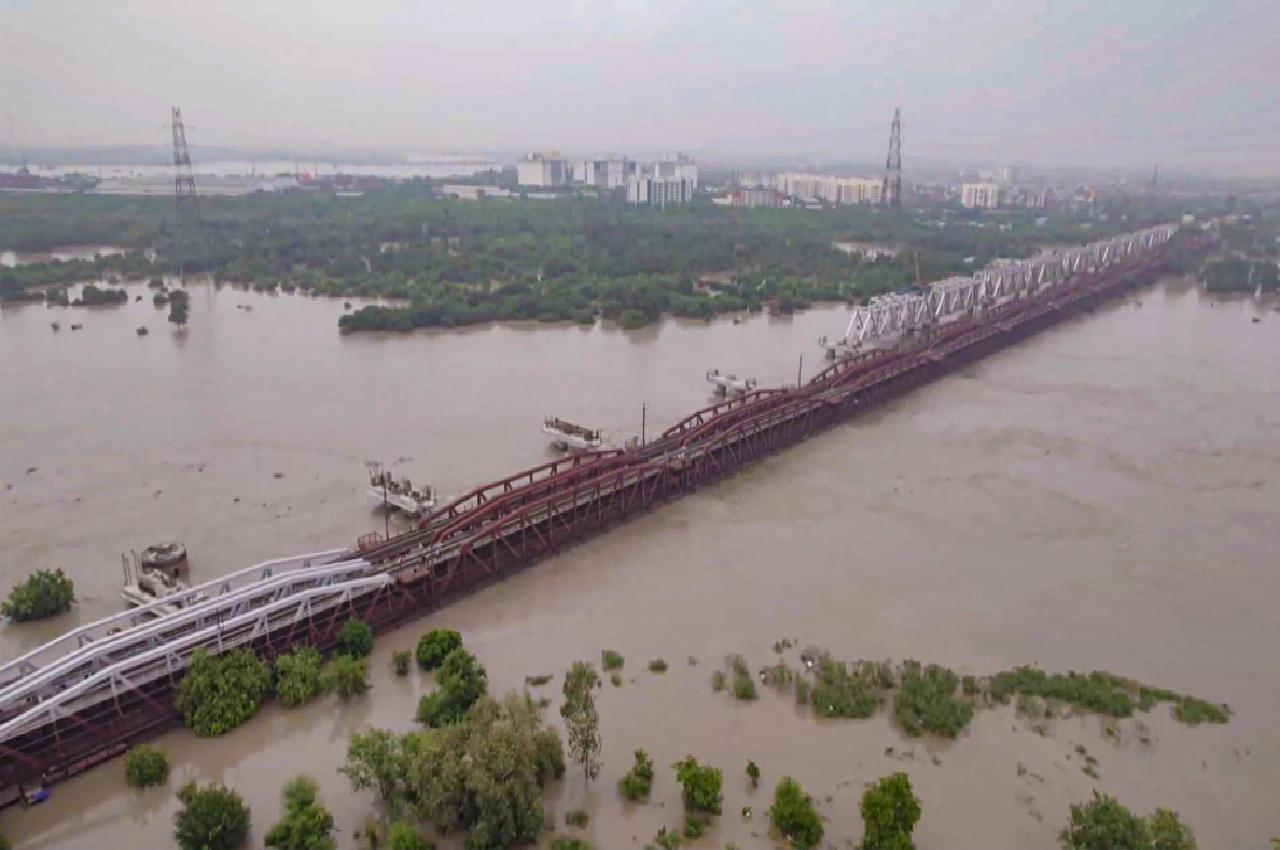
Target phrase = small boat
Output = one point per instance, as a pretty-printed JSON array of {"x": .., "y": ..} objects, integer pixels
[{"x": 142, "y": 331}]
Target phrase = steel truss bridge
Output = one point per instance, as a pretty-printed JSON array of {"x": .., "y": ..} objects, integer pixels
[
  {"x": 888, "y": 317},
  {"x": 88, "y": 695}
]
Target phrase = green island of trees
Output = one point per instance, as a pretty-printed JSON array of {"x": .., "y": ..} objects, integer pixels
[
  {"x": 92, "y": 296},
  {"x": 45, "y": 593},
  {"x": 460, "y": 263}
]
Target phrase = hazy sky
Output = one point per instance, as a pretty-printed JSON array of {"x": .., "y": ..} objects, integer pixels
[{"x": 1125, "y": 82}]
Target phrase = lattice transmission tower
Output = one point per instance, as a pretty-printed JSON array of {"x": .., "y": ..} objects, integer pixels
[
  {"x": 891, "y": 191},
  {"x": 184, "y": 192}
]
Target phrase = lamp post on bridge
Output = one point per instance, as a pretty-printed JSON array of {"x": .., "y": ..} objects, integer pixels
[{"x": 644, "y": 415}]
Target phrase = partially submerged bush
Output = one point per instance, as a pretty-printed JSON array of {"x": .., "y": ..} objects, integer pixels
[
  {"x": 145, "y": 766},
  {"x": 435, "y": 646},
  {"x": 45, "y": 593},
  {"x": 701, "y": 786},
  {"x": 890, "y": 811},
  {"x": 401, "y": 662},
  {"x": 1105, "y": 823},
  {"x": 212, "y": 818},
  {"x": 744, "y": 688},
  {"x": 794, "y": 815},
  {"x": 462, "y": 681},
  {"x": 298, "y": 676},
  {"x": 305, "y": 822},
  {"x": 926, "y": 702},
  {"x": 657, "y": 665},
  {"x": 577, "y": 818},
  {"x": 220, "y": 692},
  {"x": 347, "y": 677},
  {"x": 611, "y": 660},
  {"x": 638, "y": 782},
  {"x": 841, "y": 692},
  {"x": 355, "y": 639}
]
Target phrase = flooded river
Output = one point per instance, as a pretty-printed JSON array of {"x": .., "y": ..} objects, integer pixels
[{"x": 1104, "y": 496}]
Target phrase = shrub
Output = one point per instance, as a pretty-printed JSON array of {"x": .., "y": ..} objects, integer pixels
[
  {"x": 298, "y": 676},
  {"x": 840, "y": 692},
  {"x": 926, "y": 702},
  {"x": 717, "y": 680},
  {"x": 701, "y": 786},
  {"x": 753, "y": 773},
  {"x": 212, "y": 818},
  {"x": 611, "y": 660},
  {"x": 45, "y": 593},
  {"x": 694, "y": 826},
  {"x": 1168, "y": 832},
  {"x": 401, "y": 661},
  {"x": 435, "y": 646},
  {"x": 578, "y": 818},
  {"x": 463, "y": 681},
  {"x": 220, "y": 692},
  {"x": 1104, "y": 824},
  {"x": 638, "y": 782},
  {"x": 305, "y": 824},
  {"x": 405, "y": 836},
  {"x": 347, "y": 677},
  {"x": 889, "y": 814},
  {"x": 145, "y": 766},
  {"x": 1194, "y": 711},
  {"x": 355, "y": 639},
  {"x": 657, "y": 665},
  {"x": 794, "y": 816},
  {"x": 744, "y": 688},
  {"x": 616, "y": 679}
]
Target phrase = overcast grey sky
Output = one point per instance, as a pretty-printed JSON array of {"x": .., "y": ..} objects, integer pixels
[{"x": 1124, "y": 81}]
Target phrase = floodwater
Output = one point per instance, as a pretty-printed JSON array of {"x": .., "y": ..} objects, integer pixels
[{"x": 1104, "y": 496}]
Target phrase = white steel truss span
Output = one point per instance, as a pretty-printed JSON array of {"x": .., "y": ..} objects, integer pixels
[
  {"x": 170, "y": 657},
  {"x": 890, "y": 315},
  {"x": 234, "y": 582},
  {"x": 54, "y": 678}
]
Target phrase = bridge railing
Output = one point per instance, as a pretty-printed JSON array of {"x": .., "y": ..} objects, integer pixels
[{"x": 47, "y": 653}]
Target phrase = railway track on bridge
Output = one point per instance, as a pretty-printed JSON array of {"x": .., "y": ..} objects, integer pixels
[{"x": 89, "y": 695}]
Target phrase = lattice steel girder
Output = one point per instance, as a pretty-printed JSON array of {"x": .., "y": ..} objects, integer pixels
[
  {"x": 170, "y": 658},
  {"x": 69, "y": 642},
  {"x": 90, "y": 658},
  {"x": 890, "y": 315}
]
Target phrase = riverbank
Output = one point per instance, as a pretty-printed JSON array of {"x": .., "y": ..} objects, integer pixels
[{"x": 1097, "y": 497}]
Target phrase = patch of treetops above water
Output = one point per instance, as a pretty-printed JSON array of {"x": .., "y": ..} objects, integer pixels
[{"x": 459, "y": 263}]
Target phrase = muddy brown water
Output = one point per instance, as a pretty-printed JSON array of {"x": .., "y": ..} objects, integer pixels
[{"x": 1103, "y": 496}]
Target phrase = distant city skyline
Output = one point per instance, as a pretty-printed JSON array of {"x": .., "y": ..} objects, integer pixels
[{"x": 1094, "y": 83}]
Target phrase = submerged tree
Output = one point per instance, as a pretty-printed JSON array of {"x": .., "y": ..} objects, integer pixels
[
  {"x": 45, "y": 593},
  {"x": 581, "y": 720}
]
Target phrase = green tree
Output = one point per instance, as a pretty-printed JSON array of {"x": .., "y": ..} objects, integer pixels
[
  {"x": 305, "y": 824},
  {"x": 434, "y": 647},
  {"x": 145, "y": 766},
  {"x": 401, "y": 661},
  {"x": 45, "y": 593},
  {"x": 1104, "y": 824},
  {"x": 298, "y": 676},
  {"x": 581, "y": 720},
  {"x": 347, "y": 677},
  {"x": 462, "y": 681},
  {"x": 638, "y": 782},
  {"x": 405, "y": 836},
  {"x": 212, "y": 818},
  {"x": 1168, "y": 832},
  {"x": 794, "y": 816},
  {"x": 375, "y": 761},
  {"x": 485, "y": 773},
  {"x": 220, "y": 692},
  {"x": 701, "y": 786},
  {"x": 355, "y": 639},
  {"x": 890, "y": 811},
  {"x": 179, "y": 304},
  {"x": 753, "y": 773}
]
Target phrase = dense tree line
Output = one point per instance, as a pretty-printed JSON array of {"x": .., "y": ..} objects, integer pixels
[{"x": 460, "y": 262}]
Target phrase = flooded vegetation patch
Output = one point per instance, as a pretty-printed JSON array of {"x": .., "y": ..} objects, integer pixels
[
  {"x": 925, "y": 701},
  {"x": 45, "y": 593},
  {"x": 220, "y": 692},
  {"x": 434, "y": 647},
  {"x": 1104, "y": 822},
  {"x": 700, "y": 786},
  {"x": 577, "y": 818},
  {"x": 794, "y": 817},
  {"x": 145, "y": 766},
  {"x": 538, "y": 681},
  {"x": 211, "y": 818},
  {"x": 657, "y": 665},
  {"x": 463, "y": 680},
  {"x": 299, "y": 677},
  {"x": 638, "y": 781},
  {"x": 1102, "y": 693},
  {"x": 843, "y": 691},
  {"x": 890, "y": 811},
  {"x": 347, "y": 676},
  {"x": 305, "y": 822},
  {"x": 401, "y": 662},
  {"x": 611, "y": 660}
]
